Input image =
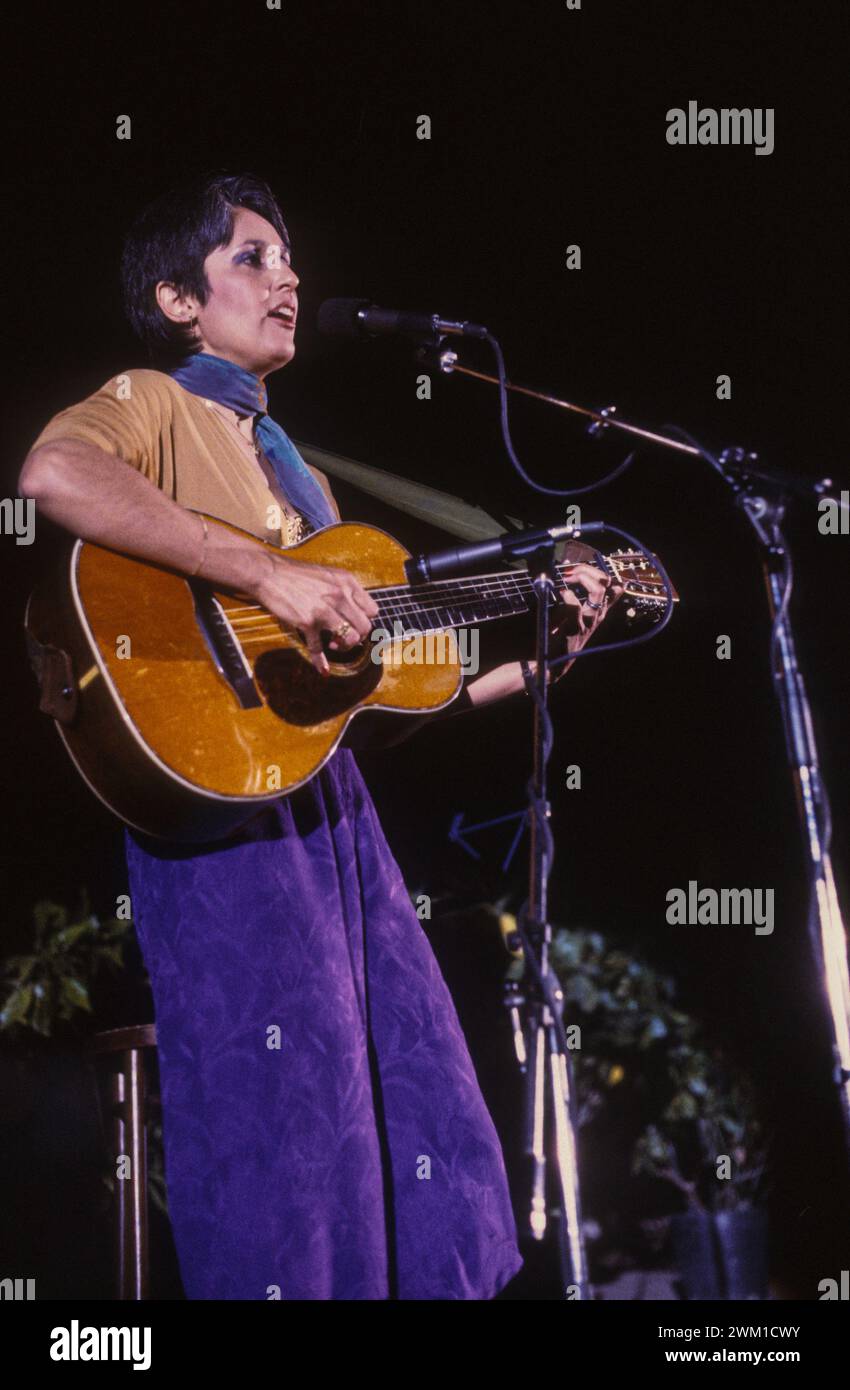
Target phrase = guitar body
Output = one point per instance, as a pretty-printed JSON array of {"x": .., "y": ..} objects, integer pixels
[{"x": 187, "y": 710}]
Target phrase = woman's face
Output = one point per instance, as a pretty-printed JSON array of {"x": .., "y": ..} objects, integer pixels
[{"x": 249, "y": 317}]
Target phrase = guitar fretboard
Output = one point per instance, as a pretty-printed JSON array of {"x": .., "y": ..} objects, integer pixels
[{"x": 450, "y": 603}]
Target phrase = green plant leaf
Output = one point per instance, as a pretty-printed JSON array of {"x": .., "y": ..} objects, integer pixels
[
  {"x": 41, "y": 1018},
  {"x": 16, "y": 1006},
  {"x": 19, "y": 968},
  {"x": 69, "y": 935},
  {"x": 75, "y": 994},
  {"x": 113, "y": 954},
  {"x": 48, "y": 916}
]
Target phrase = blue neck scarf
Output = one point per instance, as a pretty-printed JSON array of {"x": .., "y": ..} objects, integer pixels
[{"x": 239, "y": 390}]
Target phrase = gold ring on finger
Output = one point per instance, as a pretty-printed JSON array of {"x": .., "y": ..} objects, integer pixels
[{"x": 339, "y": 632}]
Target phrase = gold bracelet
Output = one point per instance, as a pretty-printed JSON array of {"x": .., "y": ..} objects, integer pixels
[{"x": 197, "y": 568}]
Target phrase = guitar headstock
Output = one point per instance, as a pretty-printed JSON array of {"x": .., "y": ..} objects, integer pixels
[{"x": 644, "y": 592}]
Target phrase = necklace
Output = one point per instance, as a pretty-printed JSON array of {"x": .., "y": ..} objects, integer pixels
[{"x": 292, "y": 522}]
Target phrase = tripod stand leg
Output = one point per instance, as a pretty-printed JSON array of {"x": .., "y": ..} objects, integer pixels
[
  {"x": 834, "y": 956},
  {"x": 570, "y": 1226},
  {"x": 537, "y": 1133}
]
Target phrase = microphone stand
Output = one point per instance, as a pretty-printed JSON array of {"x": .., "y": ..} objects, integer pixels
[
  {"x": 761, "y": 497},
  {"x": 761, "y": 493},
  {"x": 548, "y": 1100},
  {"x": 549, "y": 1092}
]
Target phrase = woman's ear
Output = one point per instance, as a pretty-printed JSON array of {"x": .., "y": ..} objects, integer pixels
[{"x": 176, "y": 306}]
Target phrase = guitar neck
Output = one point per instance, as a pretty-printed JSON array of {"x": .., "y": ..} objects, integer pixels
[{"x": 449, "y": 603}]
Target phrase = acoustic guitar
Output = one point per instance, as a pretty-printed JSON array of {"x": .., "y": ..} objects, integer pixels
[{"x": 187, "y": 710}]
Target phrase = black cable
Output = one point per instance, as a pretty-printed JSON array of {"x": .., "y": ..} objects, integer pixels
[
  {"x": 656, "y": 629},
  {"x": 506, "y": 435}
]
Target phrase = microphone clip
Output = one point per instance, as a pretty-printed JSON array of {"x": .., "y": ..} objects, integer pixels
[{"x": 433, "y": 355}]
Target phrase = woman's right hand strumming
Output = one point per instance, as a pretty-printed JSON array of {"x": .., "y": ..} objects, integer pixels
[
  {"x": 99, "y": 497},
  {"x": 316, "y": 599}
]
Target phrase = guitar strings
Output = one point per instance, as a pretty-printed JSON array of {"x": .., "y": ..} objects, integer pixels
[
  {"x": 396, "y": 609},
  {"x": 404, "y": 601},
  {"x": 476, "y": 580},
  {"x": 442, "y": 595}
]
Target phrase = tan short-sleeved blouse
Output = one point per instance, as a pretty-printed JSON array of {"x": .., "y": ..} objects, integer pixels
[{"x": 196, "y": 451}]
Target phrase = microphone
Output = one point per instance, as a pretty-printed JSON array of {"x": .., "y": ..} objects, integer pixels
[
  {"x": 511, "y": 546},
  {"x": 357, "y": 318}
]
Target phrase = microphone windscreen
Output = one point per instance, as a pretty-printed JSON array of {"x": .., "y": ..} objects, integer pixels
[{"x": 338, "y": 317}]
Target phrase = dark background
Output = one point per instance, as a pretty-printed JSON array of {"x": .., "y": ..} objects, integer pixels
[{"x": 548, "y": 128}]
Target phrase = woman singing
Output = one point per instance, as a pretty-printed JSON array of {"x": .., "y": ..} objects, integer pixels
[{"x": 325, "y": 1135}]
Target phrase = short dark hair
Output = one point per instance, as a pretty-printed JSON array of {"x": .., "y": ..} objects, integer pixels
[{"x": 171, "y": 239}]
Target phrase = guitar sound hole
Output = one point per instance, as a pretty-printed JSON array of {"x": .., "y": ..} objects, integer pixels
[{"x": 295, "y": 691}]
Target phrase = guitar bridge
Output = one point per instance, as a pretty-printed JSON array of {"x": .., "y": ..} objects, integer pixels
[{"x": 223, "y": 646}]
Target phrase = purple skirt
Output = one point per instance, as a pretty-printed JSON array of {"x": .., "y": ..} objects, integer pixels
[{"x": 325, "y": 1135}]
